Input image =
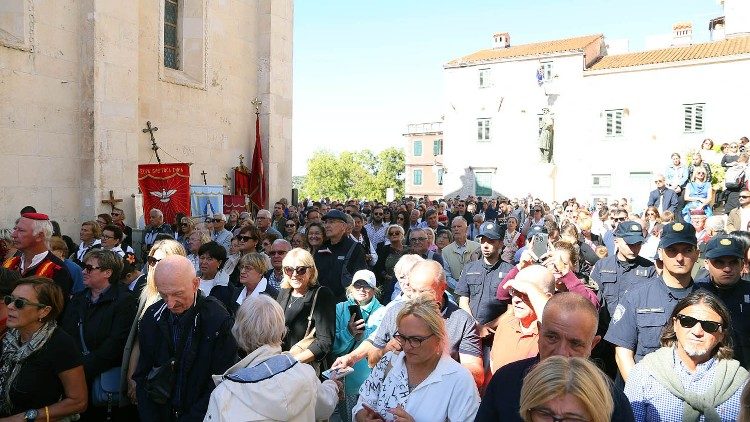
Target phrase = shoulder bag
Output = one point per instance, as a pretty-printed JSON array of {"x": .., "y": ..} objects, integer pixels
[
  {"x": 105, "y": 390},
  {"x": 309, "y": 337}
]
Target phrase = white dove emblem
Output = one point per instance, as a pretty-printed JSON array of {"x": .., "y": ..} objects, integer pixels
[{"x": 164, "y": 195}]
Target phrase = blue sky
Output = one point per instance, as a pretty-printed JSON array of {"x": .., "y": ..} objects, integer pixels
[{"x": 363, "y": 69}]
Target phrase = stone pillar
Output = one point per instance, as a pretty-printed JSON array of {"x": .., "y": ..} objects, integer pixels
[{"x": 274, "y": 56}]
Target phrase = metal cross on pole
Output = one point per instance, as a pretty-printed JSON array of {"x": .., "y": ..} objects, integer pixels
[
  {"x": 204, "y": 177},
  {"x": 112, "y": 201},
  {"x": 151, "y": 129}
]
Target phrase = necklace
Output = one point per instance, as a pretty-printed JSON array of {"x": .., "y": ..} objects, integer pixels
[{"x": 294, "y": 299}]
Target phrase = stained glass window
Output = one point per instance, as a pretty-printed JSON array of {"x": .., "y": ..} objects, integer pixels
[{"x": 170, "y": 34}]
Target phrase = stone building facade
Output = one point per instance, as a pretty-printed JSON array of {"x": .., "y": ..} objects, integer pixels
[{"x": 80, "y": 78}]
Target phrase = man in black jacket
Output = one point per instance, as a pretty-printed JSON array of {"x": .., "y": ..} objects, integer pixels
[
  {"x": 339, "y": 257},
  {"x": 190, "y": 329}
]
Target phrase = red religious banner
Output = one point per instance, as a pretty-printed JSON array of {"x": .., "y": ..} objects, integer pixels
[
  {"x": 234, "y": 203},
  {"x": 241, "y": 183},
  {"x": 165, "y": 187}
]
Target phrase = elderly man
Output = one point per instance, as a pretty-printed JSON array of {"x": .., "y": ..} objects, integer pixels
[
  {"x": 339, "y": 257},
  {"x": 279, "y": 249},
  {"x": 219, "y": 233},
  {"x": 567, "y": 328},
  {"x": 31, "y": 236},
  {"x": 464, "y": 343},
  {"x": 460, "y": 252},
  {"x": 419, "y": 245},
  {"x": 186, "y": 328},
  {"x": 263, "y": 221},
  {"x": 692, "y": 376},
  {"x": 156, "y": 226},
  {"x": 739, "y": 218},
  {"x": 663, "y": 198}
]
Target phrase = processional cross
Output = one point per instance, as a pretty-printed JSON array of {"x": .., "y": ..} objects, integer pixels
[{"x": 151, "y": 129}]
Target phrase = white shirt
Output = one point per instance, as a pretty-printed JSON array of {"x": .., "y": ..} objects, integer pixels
[
  {"x": 34, "y": 261},
  {"x": 449, "y": 381},
  {"x": 220, "y": 279},
  {"x": 82, "y": 249},
  {"x": 261, "y": 287},
  {"x": 744, "y": 218}
]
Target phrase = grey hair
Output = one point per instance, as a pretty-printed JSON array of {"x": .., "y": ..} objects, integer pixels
[
  {"x": 349, "y": 220},
  {"x": 158, "y": 212},
  {"x": 259, "y": 322},
  {"x": 42, "y": 226},
  {"x": 405, "y": 264},
  {"x": 715, "y": 223},
  {"x": 282, "y": 242},
  {"x": 265, "y": 213},
  {"x": 459, "y": 218}
]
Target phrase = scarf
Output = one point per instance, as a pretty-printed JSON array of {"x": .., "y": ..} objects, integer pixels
[
  {"x": 13, "y": 356},
  {"x": 728, "y": 378}
]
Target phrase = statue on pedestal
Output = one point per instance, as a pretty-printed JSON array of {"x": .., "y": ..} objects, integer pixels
[{"x": 546, "y": 135}]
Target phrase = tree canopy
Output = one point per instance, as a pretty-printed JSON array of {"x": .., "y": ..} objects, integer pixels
[{"x": 358, "y": 174}]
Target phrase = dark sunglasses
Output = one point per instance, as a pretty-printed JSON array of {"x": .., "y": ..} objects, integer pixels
[
  {"x": 689, "y": 322},
  {"x": 20, "y": 303},
  {"x": 88, "y": 268},
  {"x": 290, "y": 271},
  {"x": 152, "y": 261},
  {"x": 245, "y": 238},
  {"x": 217, "y": 220},
  {"x": 618, "y": 219}
]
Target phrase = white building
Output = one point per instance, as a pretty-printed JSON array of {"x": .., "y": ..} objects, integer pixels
[{"x": 617, "y": 117}]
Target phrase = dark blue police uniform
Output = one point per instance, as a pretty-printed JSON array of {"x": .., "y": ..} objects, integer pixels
[
  {"x": 615, "y": 278},
  {"x": 479, "y": 281}
]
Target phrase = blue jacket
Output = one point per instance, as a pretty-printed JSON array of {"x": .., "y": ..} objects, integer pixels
[
  {"x": 344, "y": 342},
  {"x": 210, "y": 349},
  {"x": 670, "y": 199}
]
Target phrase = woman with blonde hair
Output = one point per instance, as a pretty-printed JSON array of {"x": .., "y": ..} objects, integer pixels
[
  {"x": 309, "y": 310},
  {"x": 560, "y": 388},
  {"x": 404, "y": 386},
  {"x": 149, "y": 296}
]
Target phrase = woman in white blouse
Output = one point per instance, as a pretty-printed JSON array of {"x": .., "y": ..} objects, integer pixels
[{"x": 404, "y": 386}]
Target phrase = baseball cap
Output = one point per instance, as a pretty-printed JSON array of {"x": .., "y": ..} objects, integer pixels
[
  {"x": 335, "y": 214},
  {"x": 724, "y": 245},
  {"x": 677, "y": 233},
  {"x": 630, "y": 231},
  {"x": 490, "y": 230},
  {"x": 364, "y": 275}
]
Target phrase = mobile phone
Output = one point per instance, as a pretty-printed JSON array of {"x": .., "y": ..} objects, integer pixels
[
  {"x": 539, "y": 244},
  {"x": 366, "y": 406},
  {"x": 354, "y": 310},
  {"x": 337, "y": 373}
]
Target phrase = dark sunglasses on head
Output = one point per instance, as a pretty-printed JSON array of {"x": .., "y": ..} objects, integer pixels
[
  {"x": 245, "y": 238},
  {"x": 152, "y": 261},
  {"x": 301, "y": 270},
  {"x": 20, "y": 303},
  {"x": 689, "y": 322}
]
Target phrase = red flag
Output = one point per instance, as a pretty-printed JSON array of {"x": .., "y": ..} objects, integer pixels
[
  {"x": 165, "y": 187},
  {"x": 257, "y": 177},
  {"x": 234, "y": 203},
  {"x": 241, "y": 182}
]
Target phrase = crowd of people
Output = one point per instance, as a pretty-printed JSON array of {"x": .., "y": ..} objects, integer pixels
[{"x": 458, "y": 309}]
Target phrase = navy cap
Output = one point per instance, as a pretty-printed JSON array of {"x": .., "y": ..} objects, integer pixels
[
  {"x": 677, "y": 233},
  {"x": 630, "y": 231},
  {"x": 490, "y": 230},
  {"x": 335, "y": 214},
  {"x": 535, "y": 229},
  {"x": 724, "y": 245}
]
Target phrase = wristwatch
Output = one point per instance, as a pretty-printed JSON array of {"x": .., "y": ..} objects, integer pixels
[{"x": 30, "y": 415}]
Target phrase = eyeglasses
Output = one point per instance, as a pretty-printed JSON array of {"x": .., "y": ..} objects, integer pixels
[
  {"x": 246, "y": 268},
  {"x": 101, "y": 222},
  {"x": 152, "y": 261},
  {"x": 290, "y": 271},
  {"x": 744, "y": 196},
  {"x": 418, "y": 239},
  {"x": 19, "y": 302},
  {"x": 217, "y": 220},
  {"x": 272, "y": 253},
  {"x": 88, "y": 268},
  {"x": 544, "y": 415},
  {"x": 689, "y": 322},
  {"x": 619, "y": 219},
  {"x": 414, "y": 341},
  {"x": 105, "y": 237},
  {"x": 394, "y": 234},
  {"x": 246, "y": 238}
]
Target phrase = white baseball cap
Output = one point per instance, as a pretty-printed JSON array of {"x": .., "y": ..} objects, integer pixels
[{"x": 365, "y": 275}]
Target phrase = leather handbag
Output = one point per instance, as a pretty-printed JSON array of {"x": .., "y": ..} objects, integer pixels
[
  {"x": 105, "y": 390},
  {"x": 309, "y": 337}
]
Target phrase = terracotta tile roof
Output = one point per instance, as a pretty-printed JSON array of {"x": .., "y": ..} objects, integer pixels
[
  {"x": 728, "y": 47},
  {"x": 544, "y": 47}
]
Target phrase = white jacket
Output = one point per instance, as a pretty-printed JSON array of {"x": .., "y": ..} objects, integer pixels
[{"x": 295, "y": 395}]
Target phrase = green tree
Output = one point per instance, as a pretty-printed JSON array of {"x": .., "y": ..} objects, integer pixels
[{"x": 358, "y": 174}]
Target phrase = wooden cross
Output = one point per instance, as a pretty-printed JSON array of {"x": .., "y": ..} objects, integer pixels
[
  {"x": 204, "y": 177},
  {"x": 151, "y": 129},
  {"x": 112, "y": 201}
]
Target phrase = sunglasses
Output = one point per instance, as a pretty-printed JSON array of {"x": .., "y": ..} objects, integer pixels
[
  {"x": 290, "y": 271},
  {"x": 19, "y": 302},
  {"x": 394, "y": 234},
  {"x": 217, "y": 220},
  {"x": 619, "y": 219},
  {"x": 88, "y": 268},
  {"x": 152, "y": 261},
  {"x": 245, "y": 238},
  {"x": 689, "y": 322}
]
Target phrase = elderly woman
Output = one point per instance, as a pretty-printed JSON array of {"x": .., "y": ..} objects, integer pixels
[
  {"x": 98, "y": 319},
  {"x": 89, "y": 234},
  {"x": 252, "y": 267},
  {"x": 268, "y": 384},
  {"x": 315, "y": 235},
  {"x": 570, "y": 389},
  {"x": 388, "y": 255},
  {"x": 213, "y": 280},
  {"x": 196, "y": 239},
  {"x": 41, "y": 374},
  {"x": 184, "y": 228},
  {"x": 404, "y": 386},
  {"x": 356, "y": 319},
  {"x": 149, "y": 296},
  {"x": 309, "y": 310}
]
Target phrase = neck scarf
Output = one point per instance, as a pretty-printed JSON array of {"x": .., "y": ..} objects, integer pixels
[
  {"x": 728, "y": 377},
  {"x": 13, "y": 356}
]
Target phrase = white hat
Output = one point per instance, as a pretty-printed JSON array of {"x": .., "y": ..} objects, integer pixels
[{"x": 366, "y": 276}]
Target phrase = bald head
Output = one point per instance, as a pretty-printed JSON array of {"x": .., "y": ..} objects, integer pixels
[
  {"x": 176, "y": 282},
  {"x": 428, "y": 276},
  {"x": 539, "y": 276},
  {"x": 568, "y": 326}
]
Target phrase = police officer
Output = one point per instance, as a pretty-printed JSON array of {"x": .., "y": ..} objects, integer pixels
[
  {"x": 724, "y": 261},
  {"x": 477, "y": 286},
  {"x": 618, "y": 273},
  {"x": 638, "y": 319}
]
